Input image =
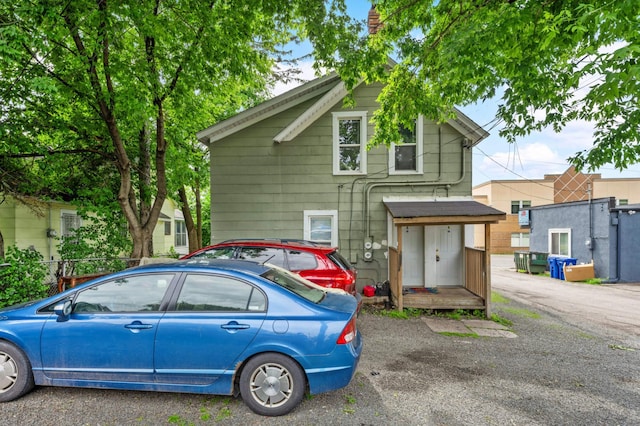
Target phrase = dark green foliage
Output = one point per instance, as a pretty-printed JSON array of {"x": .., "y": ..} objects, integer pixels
[{"x": 23, "y": 279}]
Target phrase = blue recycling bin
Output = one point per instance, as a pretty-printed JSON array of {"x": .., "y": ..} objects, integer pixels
[
  {"x": 565, "y": 261},
  {"x": 553, "y": 266}
]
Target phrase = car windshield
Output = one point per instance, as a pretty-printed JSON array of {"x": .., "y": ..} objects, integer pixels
[{"x": 295, "y": 284}]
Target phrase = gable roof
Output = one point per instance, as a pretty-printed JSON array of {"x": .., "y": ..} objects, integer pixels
[{"x": 332, "y": 89}]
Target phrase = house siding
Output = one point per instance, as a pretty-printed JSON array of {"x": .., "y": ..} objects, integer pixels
[{"x": 260, "y": 189}]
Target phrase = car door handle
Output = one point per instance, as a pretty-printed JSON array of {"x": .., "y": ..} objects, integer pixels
[
  {"x": 137, "y": 325},
  {"x": 233, "y": 325}
]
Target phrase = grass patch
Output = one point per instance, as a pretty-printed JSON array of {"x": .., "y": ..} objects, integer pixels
[
  {"x": 498, "y": 298},
  {"x": 500, "y": 320},
  {"x": 449, "y": 333},
  {"x": 522, "y": 312}
]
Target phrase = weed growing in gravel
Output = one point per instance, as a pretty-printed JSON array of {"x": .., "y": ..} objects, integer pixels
[
  {"x": 500, "y": 320},
  {"x": 522, "y": 312},
  {"x": 452, "y": 334},
  {"x": 498, "y": 298},
  {"x": 350, "y": 400}
]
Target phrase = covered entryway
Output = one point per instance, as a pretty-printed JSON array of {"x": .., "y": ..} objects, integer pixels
[{"x": 433, "y": 263}]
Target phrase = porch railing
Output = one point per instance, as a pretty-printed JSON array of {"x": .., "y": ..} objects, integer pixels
[{"x": 475, "y": 279}]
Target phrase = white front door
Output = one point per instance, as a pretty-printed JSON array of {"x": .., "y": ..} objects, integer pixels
[{"x": 443, "y": 255}]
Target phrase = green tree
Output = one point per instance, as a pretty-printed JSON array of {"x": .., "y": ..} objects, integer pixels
[
  {"x": 550, "y": 61},
  {"x": 108, "y": 80},
  {"x": 22, "y": 277}
]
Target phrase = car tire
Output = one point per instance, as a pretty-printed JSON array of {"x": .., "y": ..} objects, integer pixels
[
  {"x": 16, "y": 377},
  {"x": 272, "y": 384}
]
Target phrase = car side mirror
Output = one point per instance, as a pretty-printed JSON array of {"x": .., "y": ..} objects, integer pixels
[{"x": 63, "y": 310}]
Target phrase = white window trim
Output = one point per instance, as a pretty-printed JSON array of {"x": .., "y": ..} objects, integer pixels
[
  {"x": 175, "y": 234},
  {"x": 308, "y": 214},
  {"x": 419, "y": 153},
  {"x": 558, "y": 231},
  {"x": 342, "y": 115}
]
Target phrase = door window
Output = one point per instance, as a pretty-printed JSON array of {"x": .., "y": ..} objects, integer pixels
[
  {"x": 142, "y": 293},
  {"x": 219, "y": 294}
]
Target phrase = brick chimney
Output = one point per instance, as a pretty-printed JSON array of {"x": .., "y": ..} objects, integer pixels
[{"x": 373, "y": 20}]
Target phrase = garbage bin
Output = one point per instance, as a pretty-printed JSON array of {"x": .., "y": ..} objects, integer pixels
[
  {"x": 521, "y": 258},
  {"x": 537, "y": 262},
  {"x": 552, "y": 261},
  {"x": 565, "y": 261}
]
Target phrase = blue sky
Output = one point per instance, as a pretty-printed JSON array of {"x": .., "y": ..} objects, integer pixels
[{"x": 531, "y": 157}]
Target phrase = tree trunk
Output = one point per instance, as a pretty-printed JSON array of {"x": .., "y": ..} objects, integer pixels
[
  {"x": 192, "y": 232},
  {"x": 144, "y": 179},
  {"x": 1, "y": 246},
  {"x": 198, "y": 215}
]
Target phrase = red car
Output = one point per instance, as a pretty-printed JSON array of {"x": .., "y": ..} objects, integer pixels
[{"x": 318, "y": 263}]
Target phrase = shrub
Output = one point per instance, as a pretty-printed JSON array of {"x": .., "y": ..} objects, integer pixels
[{"x": 23, "y": 279}]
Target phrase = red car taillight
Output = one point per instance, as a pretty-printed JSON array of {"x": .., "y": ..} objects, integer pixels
[
  {"x": 346, "y": 281},
  {"x": 349, "y": 332}
]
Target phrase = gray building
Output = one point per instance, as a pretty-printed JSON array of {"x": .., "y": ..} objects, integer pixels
[{"x": 594, "y": 230}]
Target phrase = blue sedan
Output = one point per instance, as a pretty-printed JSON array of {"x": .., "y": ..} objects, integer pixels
[{"x": 198, "y": 326}]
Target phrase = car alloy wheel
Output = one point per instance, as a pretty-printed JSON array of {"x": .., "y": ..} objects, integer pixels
[
  {"x": 16, "y": 377},
  {"x": 272, "y": 384}
]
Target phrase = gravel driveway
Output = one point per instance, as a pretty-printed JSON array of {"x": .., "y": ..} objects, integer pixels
[{"x": 553, "y": 372}]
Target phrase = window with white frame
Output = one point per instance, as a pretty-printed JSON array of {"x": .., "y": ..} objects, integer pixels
[
  {"x": 560, "y": 242},
  {"x": 181, "y": 234},
  {"x": 69, "y": 222},
  {"x": 321, "y": 226},
  {"x": 349, "y": 143},
  {"x": 405, "y": 157},
  {"x": 520, "y": 239}
]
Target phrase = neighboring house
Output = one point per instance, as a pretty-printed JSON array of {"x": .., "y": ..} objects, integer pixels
[
  {"x": 170, "y": 234},
  {"x": 517, "y": 196},
  {"x": 297, "y": 166},
  {"x": 596, "y": 230},
  {"x": 21, "y": 226}
]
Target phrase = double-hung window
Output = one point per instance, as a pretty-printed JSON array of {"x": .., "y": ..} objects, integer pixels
[
  {"x": 181, "y": 234},
  {"x": 405, "y": 156},
  {"x": 349, "y": 143}
]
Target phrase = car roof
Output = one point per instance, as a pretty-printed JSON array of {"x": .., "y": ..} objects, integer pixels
[
  {"x": 207, "y": 264},
  {"x": 276, "y": 242}
]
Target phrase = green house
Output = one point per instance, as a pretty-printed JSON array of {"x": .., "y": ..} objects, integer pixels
[
  {"x": 297, "y": 166},
  {"x": 40, "y": 227}
]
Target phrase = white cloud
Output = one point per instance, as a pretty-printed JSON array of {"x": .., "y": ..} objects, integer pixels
[
  {"x": 305, "y": 73},
  {"x": 520, "y": 161}
]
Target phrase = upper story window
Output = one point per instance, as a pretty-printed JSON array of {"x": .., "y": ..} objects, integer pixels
[
  {"x": 349, "y": 143},
  {"x": 519, "y": 204},
  {"x": 405, "y": 157}
]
